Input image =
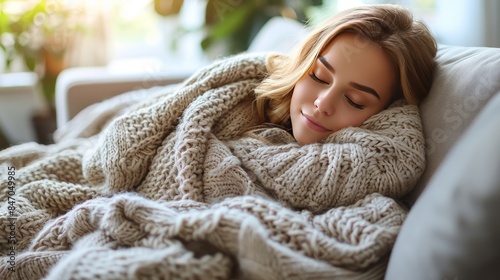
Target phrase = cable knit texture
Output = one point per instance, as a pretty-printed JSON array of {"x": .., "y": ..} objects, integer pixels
[{"x": 165, "y": 185}]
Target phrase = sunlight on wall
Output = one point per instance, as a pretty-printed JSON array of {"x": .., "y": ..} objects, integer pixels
[{"x": 133, "y": 26}]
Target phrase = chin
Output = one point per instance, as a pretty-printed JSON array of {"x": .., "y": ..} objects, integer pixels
[{"x": 302, "y": 141}]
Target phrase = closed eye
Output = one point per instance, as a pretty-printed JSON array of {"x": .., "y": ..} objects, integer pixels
[
  {"x": 316, "y": 79},
  {"x": 353, "y": 104}
]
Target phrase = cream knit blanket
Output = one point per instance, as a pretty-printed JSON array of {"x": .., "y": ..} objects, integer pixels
[{"x": 161, "y": 186}]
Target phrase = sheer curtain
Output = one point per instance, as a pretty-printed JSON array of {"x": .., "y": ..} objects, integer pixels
[{"x": 91, "y": 46}]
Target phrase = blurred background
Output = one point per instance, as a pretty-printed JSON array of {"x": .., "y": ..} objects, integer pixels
[{"x": 41, "y": 38}]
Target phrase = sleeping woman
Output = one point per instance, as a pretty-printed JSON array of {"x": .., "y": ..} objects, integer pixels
[{"x": 259, "y": 166}]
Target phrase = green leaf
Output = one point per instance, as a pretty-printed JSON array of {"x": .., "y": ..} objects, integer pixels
[
  {"x": 30, "y": 62},
  {"x": 230, "y": 23},
  {"x": 4, "y": 21}
]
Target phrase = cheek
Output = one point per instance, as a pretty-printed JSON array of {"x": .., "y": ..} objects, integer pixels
[
  {"x": 358, "y": 121},
  {"x": 360, "y": 118},
  {"x": 351, "y": 118},
  {"x": 297, "y": 95}
]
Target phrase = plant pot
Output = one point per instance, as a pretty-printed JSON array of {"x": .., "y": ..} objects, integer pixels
[
  {"x": 53, "y": 64},
  {"x": 168, "y": 7},
  {"x": 44, "y": 124},
  {"x": 4, "y": 143}
]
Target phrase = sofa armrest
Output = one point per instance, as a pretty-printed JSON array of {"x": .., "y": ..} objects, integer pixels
[{"x": 79, "y": 87}]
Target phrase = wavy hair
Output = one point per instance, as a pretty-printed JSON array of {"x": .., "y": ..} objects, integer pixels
[{"x": 407, "y": 41}]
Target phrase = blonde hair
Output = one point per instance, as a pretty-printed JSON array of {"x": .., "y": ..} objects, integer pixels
[{"x": 408, "y": 43}]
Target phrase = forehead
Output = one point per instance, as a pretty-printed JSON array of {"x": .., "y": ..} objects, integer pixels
[
  {"x": 362, "y": 61},
  {"x": 351, "y": 44}
]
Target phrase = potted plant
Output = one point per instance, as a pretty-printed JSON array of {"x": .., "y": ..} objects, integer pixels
[{"x": 37, "y": 34}]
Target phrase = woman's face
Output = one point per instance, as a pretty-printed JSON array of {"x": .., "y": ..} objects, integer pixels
[{"x": 351, "y": 80}]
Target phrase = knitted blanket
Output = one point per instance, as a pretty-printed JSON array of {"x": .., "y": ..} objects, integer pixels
[{"x": 166, "y": 185}]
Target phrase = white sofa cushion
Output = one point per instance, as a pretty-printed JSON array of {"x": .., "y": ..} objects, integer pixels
[
  {"x": 465, "y": 79},
  {"x": 453, "y": 230}
]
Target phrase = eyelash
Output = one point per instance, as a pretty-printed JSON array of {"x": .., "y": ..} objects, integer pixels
[
  {"x": 316, "y": 79},
  {"x": 352, "y": 103},
  {"x": 355, "y": 105}
]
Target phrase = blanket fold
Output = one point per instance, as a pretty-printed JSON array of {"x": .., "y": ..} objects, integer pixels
[{"x": 166, "y": 184}]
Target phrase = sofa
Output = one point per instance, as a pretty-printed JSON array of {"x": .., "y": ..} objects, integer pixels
[{"x": 452, "y": 230}]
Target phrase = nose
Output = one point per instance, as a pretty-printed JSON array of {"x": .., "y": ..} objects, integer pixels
[{"x": 325, "y": 103}]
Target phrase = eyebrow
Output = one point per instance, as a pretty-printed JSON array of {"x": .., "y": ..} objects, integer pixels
[
  {"x": 326, "y": 63},
  {"x": 365, "y": 89},
  {"x": 353, "y": 84}
]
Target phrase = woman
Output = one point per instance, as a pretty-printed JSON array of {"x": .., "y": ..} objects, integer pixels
[
  {"x": 381, "y": 45},
  {"x": 188, "y": 183},
  {"x": 346, "y": 74}
]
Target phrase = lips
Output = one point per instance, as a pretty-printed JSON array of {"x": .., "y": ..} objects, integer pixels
[{"x": 312, "y": 124}]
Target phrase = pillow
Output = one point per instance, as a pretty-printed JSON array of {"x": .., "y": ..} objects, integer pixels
[
  {"x": 465, "y": 79},
  {"x": 453, "y": 230}
]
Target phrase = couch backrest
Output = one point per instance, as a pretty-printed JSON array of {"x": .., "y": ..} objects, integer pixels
[
  {"x": 466, "y": 78},
  {"x": 452, "y": 231}
]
